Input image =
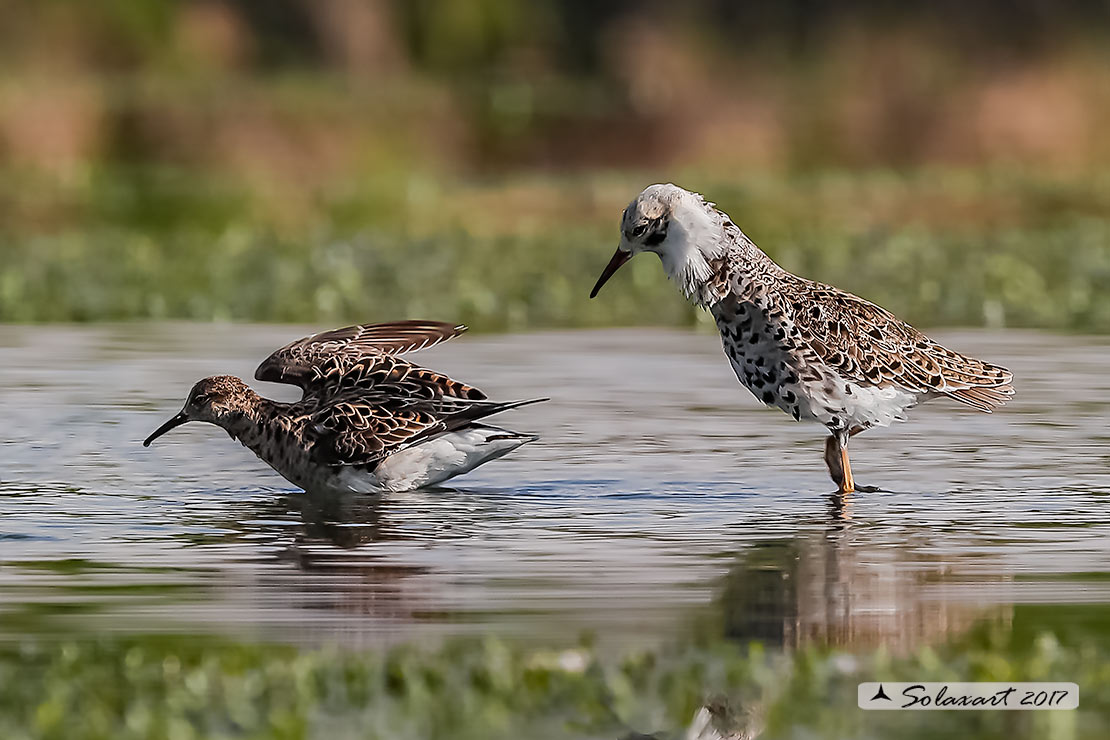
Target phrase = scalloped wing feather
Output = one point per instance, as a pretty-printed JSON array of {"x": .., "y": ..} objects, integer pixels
[
  {"x": 364, "y": 356},
  {"x": 302, "y": 362},
  {"x": 361, "y": 429},
  {"x": 870, "y": 346}
]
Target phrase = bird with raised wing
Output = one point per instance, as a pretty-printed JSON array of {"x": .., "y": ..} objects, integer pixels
[
  {"x": 817, "y": 352},
  {"x": 368, "y": 420}
]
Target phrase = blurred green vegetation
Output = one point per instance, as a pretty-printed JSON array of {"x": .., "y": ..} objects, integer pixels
[
  {"x": 936, "y": 246},
  {"x": 335, "y": 161},
  {"x": 181, "y": 687}
]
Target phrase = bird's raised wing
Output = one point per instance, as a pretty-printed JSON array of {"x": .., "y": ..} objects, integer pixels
[
  {"x": 869, "y": 345},
  {"x": 360, "y": 428},
  {"x": 361, "y": 356}
]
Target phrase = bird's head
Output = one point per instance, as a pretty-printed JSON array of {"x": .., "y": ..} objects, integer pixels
[
  {"x": 219, "y": 400},
  {"x": 675, "y": 224}
]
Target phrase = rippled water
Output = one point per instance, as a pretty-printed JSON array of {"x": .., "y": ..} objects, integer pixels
[{"x": 661, "y": 496}]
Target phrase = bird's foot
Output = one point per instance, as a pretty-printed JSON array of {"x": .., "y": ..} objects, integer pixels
[{"x": 856, "y": 488}]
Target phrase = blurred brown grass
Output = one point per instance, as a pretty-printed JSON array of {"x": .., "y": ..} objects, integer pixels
[{"x": 192, "y": 84}]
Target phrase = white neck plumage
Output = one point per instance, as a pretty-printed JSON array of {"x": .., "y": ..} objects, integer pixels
[{"x": 695, "y": 238}]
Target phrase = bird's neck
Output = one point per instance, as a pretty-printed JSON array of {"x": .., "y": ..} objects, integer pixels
[
  {"x": 718, "y": 263},
  {"x": 252, "y": 425}
]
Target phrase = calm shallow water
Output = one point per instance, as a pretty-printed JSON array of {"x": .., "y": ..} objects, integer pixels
[{"x": 661, "y": 499}]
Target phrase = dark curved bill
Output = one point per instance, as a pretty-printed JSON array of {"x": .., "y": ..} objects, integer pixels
[
  {"x": 619, "y": 258},
  {"x": 176, "y": 421}
]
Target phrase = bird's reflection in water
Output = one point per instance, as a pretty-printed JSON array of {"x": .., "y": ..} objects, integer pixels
[
  {"x": 343, "y": 520},
  {"x": 834, "y": 585},
  {"x": 337, "y": 574},
  {"x": 829, "y": 586}
]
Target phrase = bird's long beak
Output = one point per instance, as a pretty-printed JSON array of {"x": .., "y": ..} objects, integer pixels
[
  {"x": 176, "y": 421},
  {"x": 619, "y": 258}
]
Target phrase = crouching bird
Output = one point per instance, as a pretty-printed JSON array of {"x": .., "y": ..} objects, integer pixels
[{"x": 368, "y": 421}]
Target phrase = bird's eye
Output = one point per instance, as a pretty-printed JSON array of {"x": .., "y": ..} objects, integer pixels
[
  {"x": 201, "y": 399},
  {"x": 639, "y": 230}
]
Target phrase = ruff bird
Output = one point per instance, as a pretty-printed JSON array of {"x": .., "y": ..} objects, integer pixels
[
  {"x": 817, "y": 352},
  {"x": 368, "y": 420}
]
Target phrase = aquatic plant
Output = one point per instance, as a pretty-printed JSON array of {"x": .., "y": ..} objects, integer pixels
[
  {"x": 180, "y": 686},
  {"x": 936, "y": 247}
]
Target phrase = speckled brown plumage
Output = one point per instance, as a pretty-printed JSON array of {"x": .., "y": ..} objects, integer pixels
[
  {"x": 861, "y": 342},
  {"x": 361, "y": 405},
  {"x": 815, "y": 351},
  {"x": 363, "y": 356}
]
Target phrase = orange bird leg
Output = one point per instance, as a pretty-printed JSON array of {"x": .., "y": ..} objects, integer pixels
[
  {"x": 840, "y": 468},
  {"x": 848, "y": 484}
]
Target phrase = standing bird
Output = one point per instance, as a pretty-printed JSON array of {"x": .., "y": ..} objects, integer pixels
[
  {"x": 816, "y": 352},
  {"x": 369, "y": 421}
]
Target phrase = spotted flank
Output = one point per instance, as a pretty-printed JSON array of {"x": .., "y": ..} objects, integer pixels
[
  {"x": 817, "y": 352},
  {"x": 368, "y": 419}
]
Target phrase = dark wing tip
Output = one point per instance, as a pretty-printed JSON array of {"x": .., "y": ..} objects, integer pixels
[
  {"x": 468, "y": 416},
  {"x": 278, "y": 369},
  {"x": 267, "y": 370}
]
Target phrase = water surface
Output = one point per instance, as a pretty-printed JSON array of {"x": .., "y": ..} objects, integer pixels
[{"x": 661, "y": 499}]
